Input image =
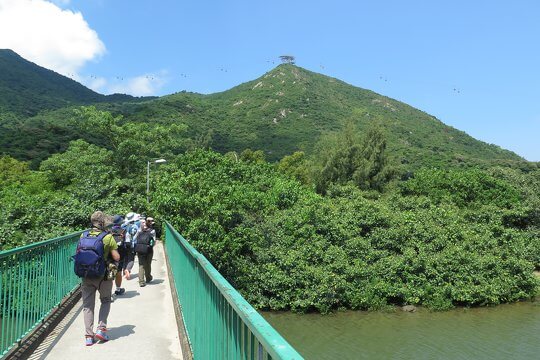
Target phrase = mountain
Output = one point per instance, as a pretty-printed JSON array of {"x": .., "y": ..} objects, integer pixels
[
  {"x": 288, "y": 108},
  {"x": 27, "y": 88},
  {"x": 285, "y": 110}
]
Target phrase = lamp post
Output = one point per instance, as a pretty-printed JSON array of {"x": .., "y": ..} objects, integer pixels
[{"x": 158, "y": 161}]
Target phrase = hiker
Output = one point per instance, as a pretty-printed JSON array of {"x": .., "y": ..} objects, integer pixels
[
  {"x": 93, "y": 263},
  {"x": 131, "y": 226},
  {"x": 124, "y": 249},
  {"x": 144, "y": 247}
]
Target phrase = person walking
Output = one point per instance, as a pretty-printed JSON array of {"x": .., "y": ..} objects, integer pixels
[
  {"x": 95, "y": 252},
  {"x": 130, "y": 226},
  {"x": 144, "y": 247},
  {"x": 124, "y": 250}
]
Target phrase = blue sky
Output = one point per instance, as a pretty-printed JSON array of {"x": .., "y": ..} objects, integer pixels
[{"x": 472, "y": 64}]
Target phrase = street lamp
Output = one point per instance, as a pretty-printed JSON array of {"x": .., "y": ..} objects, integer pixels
[{"x": 158, "y": 161}]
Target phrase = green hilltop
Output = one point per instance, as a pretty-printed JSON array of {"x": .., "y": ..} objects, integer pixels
[
  {"x": 283, "y": 111},
  {"x": 27, "y": 88},
  {"x": 289, "y": 108}
]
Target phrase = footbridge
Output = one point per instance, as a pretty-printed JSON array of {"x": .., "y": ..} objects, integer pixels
[{"x": 188, "y": 311}]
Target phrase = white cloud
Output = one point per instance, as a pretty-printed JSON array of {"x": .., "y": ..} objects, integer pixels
[
  {"x": 42, "y": 32},
  {"x": 97, "y": 84},
  {"x": 144, "y": 85}
]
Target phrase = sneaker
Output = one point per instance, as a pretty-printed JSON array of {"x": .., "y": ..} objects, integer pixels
[
  {"x": 142, "y": 285},
  {"x": 89, "y": 341},
  {"x": 120, "y": 291},
  {"x": 150, "y": 279},
  {"x": 101, "y": 335}
]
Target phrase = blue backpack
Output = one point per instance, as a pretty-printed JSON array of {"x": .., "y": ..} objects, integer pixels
[{"x": 89, "y": 260}]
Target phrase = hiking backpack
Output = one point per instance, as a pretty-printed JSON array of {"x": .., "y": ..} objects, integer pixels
[
  {"x": 89, "y": 260},
  {"x": 120, "y": 237},
  {"x": 143, "y": 243}
]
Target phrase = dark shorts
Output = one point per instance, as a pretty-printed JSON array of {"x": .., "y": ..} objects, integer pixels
[{"x": 126, "y": 255}]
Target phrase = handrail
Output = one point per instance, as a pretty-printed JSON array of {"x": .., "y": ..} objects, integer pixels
[
  {"x": 33, "y": 281},
  {"x": 36, "y": 245},
  {"x": 219, "y": 321}
]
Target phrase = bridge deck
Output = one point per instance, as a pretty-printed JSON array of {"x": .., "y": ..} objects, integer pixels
[{"x": 141, "y": 323}]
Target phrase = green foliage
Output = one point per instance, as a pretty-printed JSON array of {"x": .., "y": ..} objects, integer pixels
[
  {"x": 251, "y": 156},
  {"x": 59, "y": 198},
  {"x": 132, "y": 143},
  {"x": 462, "y": 188},
  {"x": 27, "y": 206},
  {"x": 285, "y": 247},
  {"x": 87, "y": 170},
  {"x": 11, "y": 171},
  {"x": 297, "y": 166},
  {"x": 346, "y": 157}
]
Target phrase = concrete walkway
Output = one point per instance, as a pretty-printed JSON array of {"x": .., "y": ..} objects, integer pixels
[{"x": 141, "y": 323}]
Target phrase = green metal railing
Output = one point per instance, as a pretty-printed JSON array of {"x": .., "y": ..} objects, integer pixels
[
  {"x": 220, "y": 323},
  {"x": 33, "y": 281}
]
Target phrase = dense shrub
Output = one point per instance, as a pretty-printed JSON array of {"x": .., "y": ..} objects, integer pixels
[
  {"x": 285, "y": 247},
  {"x": 440, "y": 239}
]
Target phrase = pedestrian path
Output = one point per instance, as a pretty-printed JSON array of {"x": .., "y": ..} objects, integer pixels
[{"x": 141, "y": 323}]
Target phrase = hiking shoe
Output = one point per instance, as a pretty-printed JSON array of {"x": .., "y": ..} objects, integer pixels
[
  {"x": 89, "y": 341},
  {"x": 101, "y": 335},
  {"x": 120, "y": 291}
]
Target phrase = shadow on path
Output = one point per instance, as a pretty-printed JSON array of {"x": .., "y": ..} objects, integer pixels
[
  {"x": 155, "y": 282},
  {"x": 121, "y": 331},
  {"x": 128, "y": 294},
  {"x": 132, "y": 276}
]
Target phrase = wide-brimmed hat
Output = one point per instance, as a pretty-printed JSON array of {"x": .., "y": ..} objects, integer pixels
[{"x": 130, "y": 216}]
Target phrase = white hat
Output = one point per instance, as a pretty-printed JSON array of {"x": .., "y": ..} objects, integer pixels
[{"x": 130, "y": 216}]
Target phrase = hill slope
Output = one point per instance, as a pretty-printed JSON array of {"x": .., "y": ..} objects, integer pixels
[
  {"x": 27, "y": 88},
  {"x": 288, "y": 108},
  {"x": 285, "y": 110}
]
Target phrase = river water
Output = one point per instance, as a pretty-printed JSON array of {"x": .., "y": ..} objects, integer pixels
[{"x": 501, "y": 332}]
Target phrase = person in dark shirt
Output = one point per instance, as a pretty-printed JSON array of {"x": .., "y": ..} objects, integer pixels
[{"x": 145, "y": 239}]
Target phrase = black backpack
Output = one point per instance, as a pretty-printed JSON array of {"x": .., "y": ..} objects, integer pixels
[{"x": 143, "y": 242}]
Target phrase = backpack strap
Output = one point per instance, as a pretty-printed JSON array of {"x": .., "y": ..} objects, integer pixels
[
  {"x": 102, "y": 235},
  {"x": 87, "y": 235}
]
